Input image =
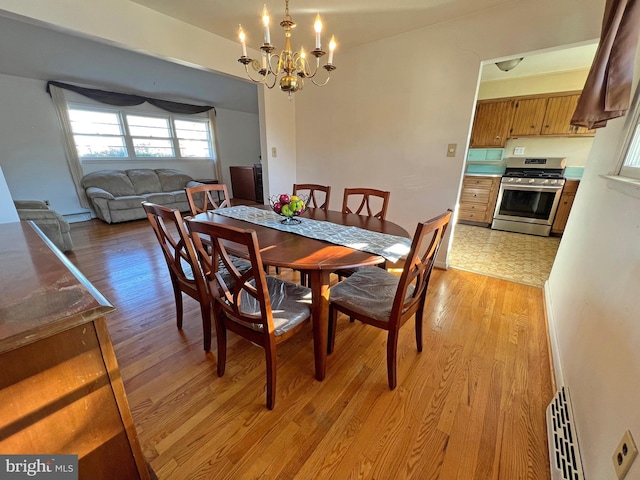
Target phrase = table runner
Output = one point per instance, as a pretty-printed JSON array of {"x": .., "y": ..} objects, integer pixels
[{"x": 391, "y": 247}]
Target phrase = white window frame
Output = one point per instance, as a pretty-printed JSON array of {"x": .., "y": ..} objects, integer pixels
[
  {"x": 122, "y": 113},
  {"x": 631, "y": 144}
]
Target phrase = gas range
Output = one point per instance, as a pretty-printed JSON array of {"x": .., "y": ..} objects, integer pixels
[{"x": 535, "y": 171}]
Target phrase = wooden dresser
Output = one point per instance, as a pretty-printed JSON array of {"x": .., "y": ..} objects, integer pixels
[
  {"x": 61, "y": 391},
  {"x": 478, "y": 199}
]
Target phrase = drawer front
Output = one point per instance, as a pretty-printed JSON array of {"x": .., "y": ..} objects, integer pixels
[
  {"x": 472, "y": 216},
  {"x": 477, "y": 182},
  {"x": 474, "y": 195}
]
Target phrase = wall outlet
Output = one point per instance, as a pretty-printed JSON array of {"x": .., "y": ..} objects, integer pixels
[
  {"x": 274, "y": 152},
  {"x": 624, "y": 455},
  {"x": 519, "y": 150}
]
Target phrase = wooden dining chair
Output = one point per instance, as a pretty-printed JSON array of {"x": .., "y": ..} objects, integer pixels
[
  {"x": 265, "y": 310},
  {"x": 201, "y": 197},
  {"x": 371, "y": 200},
  {"x": 383, "y": 300},
  {"x": 318, "y": 194},
  {"x": 184, "y": 269}
]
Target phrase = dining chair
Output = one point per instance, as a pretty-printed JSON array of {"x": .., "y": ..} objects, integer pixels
[
  {"x": 263, "y": 309},
  {"x": 201, "y": 197},
  {"x": 318, "y": 194},
  {"x": 184, "y": 269},
  {"x": 370, "y": 199},
  {"x": 383, "y": 300}
]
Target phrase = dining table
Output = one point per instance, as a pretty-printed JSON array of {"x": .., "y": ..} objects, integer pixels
[{"x": 316, "y": 258}]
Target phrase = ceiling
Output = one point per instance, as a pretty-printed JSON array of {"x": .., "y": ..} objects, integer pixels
[{"x": 354, "y": 22}]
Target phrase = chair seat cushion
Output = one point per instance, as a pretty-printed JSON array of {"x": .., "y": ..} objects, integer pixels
[
  {"x": 369, "y": 291},
  {"x": 290, "y": 305}
]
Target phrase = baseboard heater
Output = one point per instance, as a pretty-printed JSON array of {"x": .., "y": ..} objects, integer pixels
[{"x": 564, "y": 454}]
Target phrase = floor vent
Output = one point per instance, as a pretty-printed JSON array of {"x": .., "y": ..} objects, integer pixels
[{"x": 564, "y": 454}]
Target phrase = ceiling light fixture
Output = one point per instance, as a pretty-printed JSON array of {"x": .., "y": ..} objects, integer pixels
[
  {"x": 291, "y": 67},
  {"x": 507, "y": 65}
]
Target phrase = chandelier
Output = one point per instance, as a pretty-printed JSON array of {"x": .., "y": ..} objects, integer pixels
[{"x": 288, "y": 69}]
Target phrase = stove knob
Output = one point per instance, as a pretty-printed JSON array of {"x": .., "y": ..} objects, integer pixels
[
  {"x": 553, "y": 182},
  {"x": 546, "y": 181},
  {"x": 509, "y": 180},
  {"x": 518, "y": 180},
  {"x": 532, "y": 180}
]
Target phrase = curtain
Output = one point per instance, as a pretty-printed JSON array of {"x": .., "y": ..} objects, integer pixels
[
  {"x": 607, "y": 91},
  {"x": 217, "y": 167},
  {"x": 127, "y": 100},
  {"x": 75, "y": 167}
]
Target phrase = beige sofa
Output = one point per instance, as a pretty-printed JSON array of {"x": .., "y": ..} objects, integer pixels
[
  {"x": 51, "y": 223},
  {"x": 117, "y": 195}
]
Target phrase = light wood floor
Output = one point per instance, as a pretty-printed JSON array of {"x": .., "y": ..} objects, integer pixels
[{"x": 470, "y": 406}]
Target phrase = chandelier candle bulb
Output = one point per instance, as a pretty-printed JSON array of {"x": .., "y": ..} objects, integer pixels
[
  {"x": 242, "y": 40},
  {"x": 265, "y": 22},
  {"x": 318, "y": 28},
  {"x": 332, "y": 47}
]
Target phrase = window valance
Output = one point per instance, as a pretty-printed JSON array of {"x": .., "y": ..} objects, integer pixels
[{"x": 129, "y": 100}]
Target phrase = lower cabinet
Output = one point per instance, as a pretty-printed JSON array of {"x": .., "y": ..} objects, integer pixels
[
  {"x": 478, "y": 199},
  {"x": 564, "y": 207}
]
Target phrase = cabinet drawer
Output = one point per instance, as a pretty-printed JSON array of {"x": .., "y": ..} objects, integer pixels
[
  {"x": 477, "y": 182},
  {"x": 479, "y": 208},
  {"x": 474, "y": 195},
  {"x": 472, "y": 216}
]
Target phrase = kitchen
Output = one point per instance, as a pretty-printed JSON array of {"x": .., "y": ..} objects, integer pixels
[{"x": 521, "y": 130}]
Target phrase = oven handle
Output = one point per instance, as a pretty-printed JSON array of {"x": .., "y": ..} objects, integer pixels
[{"x": 524, "y": 188}]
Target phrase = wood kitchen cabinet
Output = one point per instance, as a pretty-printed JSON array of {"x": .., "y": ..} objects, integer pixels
[
  {"x": 478, "y": 199},
  {"x": 528, "y": 117},
  {"x": 564, "y": 207},
  {"x": 491, "y": 123},
  {"x": 558, "y": 117}
]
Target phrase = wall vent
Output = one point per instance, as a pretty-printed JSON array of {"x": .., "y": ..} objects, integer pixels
[{"x": 564, "y": 454}]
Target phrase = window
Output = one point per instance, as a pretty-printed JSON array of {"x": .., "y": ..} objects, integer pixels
[
  {"x": 630, "y": 163},
  {"x": 122, "y": 133}
]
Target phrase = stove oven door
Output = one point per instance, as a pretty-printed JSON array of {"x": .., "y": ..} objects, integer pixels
[{"x": 528, "y": 203}]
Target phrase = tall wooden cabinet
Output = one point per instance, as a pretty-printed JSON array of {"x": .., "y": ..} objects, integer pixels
[
  {"x": 61, "y": 391},
  {"x": 478, "y": 199},
  {"x": 564, "y": 207}
]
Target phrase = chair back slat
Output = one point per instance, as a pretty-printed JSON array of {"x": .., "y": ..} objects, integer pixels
[
  {"x": 370, "y": 196},
  {"x": 418, "y": 267},
  {"x": 243, "y": 295},
  {"x": 177, "y": 249},
  {"x": 201, "y": 197},
  {"x": 318, "y": 194}
]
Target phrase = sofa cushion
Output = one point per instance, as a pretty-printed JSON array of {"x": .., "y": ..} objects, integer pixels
[
  {"x": 172, "y": 180},
  {"x": 144, "y": 180},
  {"x": 160, "y": 198},
  {"x": 126, "y": 202},
  {"x": 115, "y": 182}
]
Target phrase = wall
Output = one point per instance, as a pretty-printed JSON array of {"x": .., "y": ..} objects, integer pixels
[
  {"x": 390, "y": 109},
  {"x": 593, "y": 305},
  {"x": 532, "y": 85},
  {"x": 576, "y": 150},
  {"x": 7, "y": 209}
]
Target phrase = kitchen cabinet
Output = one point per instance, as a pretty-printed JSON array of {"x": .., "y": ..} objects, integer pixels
[
  {"x": 558, "y": 117},
  {"x": 564, "y": 207},
  {"x": 491, "y": 123},
  {"x": 478, "y": 199},
  {"x": 528, "y": 117}
]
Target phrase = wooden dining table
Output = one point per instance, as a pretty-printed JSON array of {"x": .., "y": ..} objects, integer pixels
[{"x": 315, "y": 258}]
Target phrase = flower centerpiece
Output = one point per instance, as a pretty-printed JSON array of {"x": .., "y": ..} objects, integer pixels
[{"x": 288, "y": 206}]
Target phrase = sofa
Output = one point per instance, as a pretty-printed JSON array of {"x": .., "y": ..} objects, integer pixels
[
  {"x": 54, "y": 226},
  {"x": 116, "y": 195}
]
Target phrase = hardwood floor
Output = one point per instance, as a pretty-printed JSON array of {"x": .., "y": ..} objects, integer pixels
[{"x": 470, "y": 406}]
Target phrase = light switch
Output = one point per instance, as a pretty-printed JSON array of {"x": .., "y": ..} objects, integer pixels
[
  {"x": 451, "y": 149},
  {"x": 274, "y": 152}
]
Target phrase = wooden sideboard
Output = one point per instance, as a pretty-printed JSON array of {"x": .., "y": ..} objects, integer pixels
[
  {"x": 61, "y": 391},
  {"x": 246, "y": 183}
]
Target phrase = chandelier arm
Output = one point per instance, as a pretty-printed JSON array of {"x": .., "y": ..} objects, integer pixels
[
  {"x": 321, "y": 84},
  {"x": 263, "y": 80}
]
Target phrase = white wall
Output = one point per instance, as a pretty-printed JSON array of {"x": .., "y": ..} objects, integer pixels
[
  {"x": 594, "y": 308},
  {"x": 7, "y": 208},
  {"x": 534, "y": 84},
  {"x": 390, "y": 109},
  {"x": 575, "y": 150}
]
